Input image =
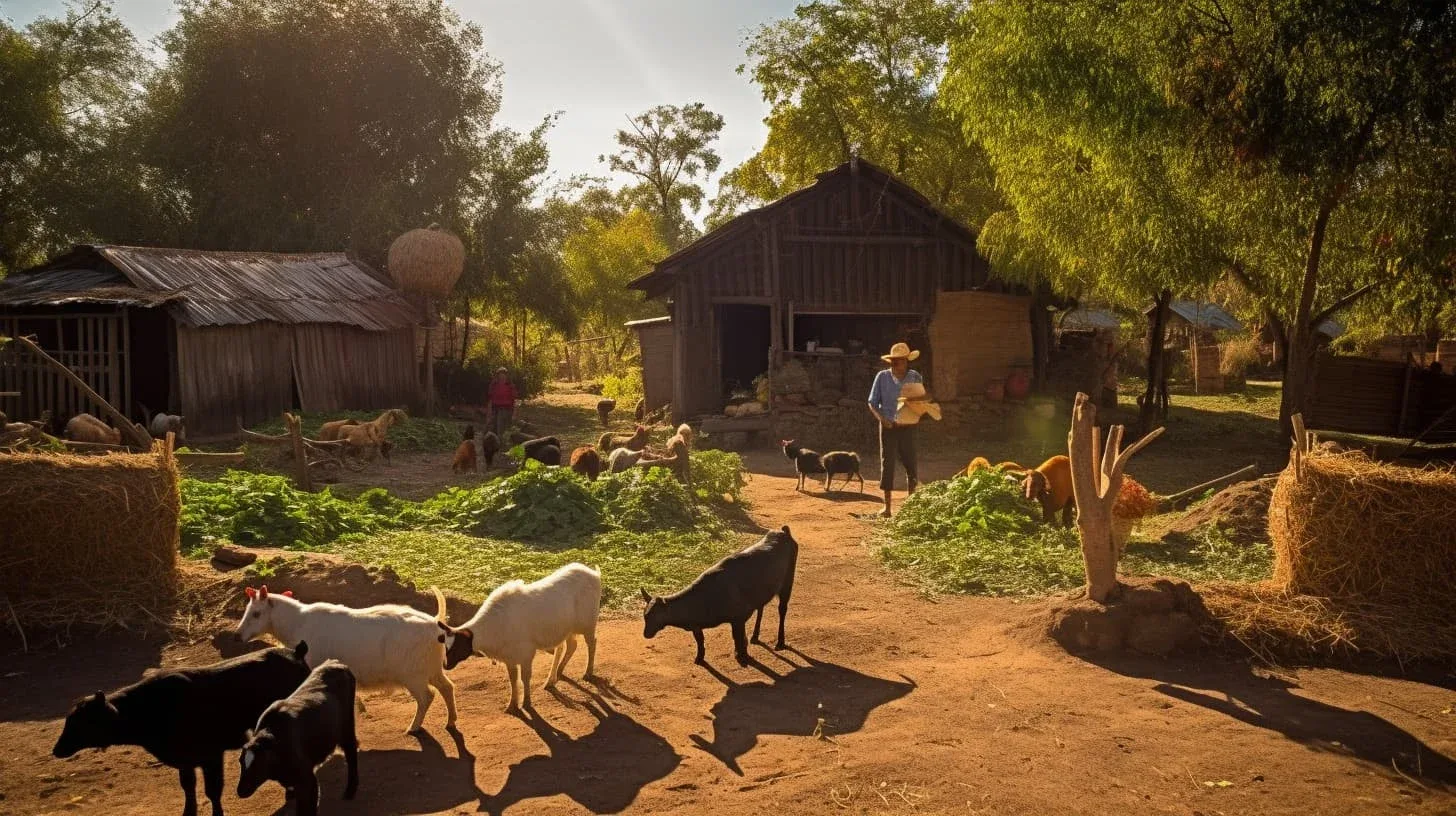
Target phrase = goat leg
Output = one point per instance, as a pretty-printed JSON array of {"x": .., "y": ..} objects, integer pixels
[
  {"x": 188, "y": 779},
  {"x": 740, "y": 642},
  {"x": 212, "y": 782},
  {"x": 701, "y": 659},
  {"x": 756, "y": 623}
]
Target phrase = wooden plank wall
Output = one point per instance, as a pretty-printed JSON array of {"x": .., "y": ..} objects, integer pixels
[
  {"x": 657, "y": 342},
  {"x": 978, "y": 336},
  {"x": 92, "y": 345},
  {"x": 1206, "y": 359},
  {"x": 231, "y": 372},
  {"x": 342, "y": 367},
  {"x": 1357, "y": 395}
]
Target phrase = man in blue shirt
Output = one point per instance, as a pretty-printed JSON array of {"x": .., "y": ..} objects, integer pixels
[{"x": 896, "y": 440}]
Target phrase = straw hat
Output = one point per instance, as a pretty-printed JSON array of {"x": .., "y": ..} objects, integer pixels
[
  {"x": 898, "y": 351},
  {"x": 914, "y": 403}
]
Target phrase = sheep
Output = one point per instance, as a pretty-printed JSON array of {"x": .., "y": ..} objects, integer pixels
[
  {"x": 385, "y": 646},
  {"x": 362, "y": 442},
  {"x": 604, "y": 410},
  {"x": 465, "y": 454},
  {"x": 187, "y": 717},
  {"x": 489, "y": 447},
  {"x": 729, "y": 592},
  {"x": 837, "y": 462},
  {"x": 519, "y": 619},
  {"x": 622, "y": 460},
  {"x": 87, "y": 428},
  {"x": 546, "y": 450},
  {"x": 636, "y": 442},
  {"x": 329, "y": 431},
  {"x": 586, "y": 461},
  {"x": 298, "y": 733},
  {"x": 1051, "y": 485},
  {"x": 806, "y": 462}
]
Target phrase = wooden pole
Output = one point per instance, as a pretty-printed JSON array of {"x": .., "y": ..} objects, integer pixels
[
  {"x": 1179, "y": 500},
  {"x": 135, "y": 435},
  {"x": 430, "y": 361},
  {"x": 300, "y": 456}
]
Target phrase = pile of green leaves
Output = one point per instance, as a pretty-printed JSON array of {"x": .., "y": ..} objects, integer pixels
[
  {"x": 718, "y": 477},
  {"x": 653, "y": 499},
  {"x": 534, "y": 503},
  {"x": 266, "y": 510},
  {"x": 414, "y": 435},
  {"x": 976, "y": 534}
]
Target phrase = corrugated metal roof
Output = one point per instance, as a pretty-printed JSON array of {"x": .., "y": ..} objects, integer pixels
[
  {"x": 65, "y": 286},
  {"x": 1206, "y": 316},
  {"x": 1086, "y": 319},
  {"x": 233, "y": 288}
]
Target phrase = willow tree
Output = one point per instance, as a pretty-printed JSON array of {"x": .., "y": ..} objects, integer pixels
[{"x": 1289, "y": 144}]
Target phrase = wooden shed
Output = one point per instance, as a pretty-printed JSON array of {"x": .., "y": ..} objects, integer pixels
[
  {"x": 654, "y": 336},
  {"x": 832, "y": 275},
  {"x": 214, "y": 336}
]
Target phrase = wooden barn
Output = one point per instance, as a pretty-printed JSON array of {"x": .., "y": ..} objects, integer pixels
[
  {"x": 826, "y": 279},
  {"x": 215, "y": 336}
]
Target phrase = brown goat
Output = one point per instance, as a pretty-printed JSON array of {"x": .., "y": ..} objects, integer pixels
[
  {"x": 1051, "y": 485},
  {"x": 586, "y": 461}
]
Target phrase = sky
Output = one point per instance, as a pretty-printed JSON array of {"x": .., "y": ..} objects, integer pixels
[{"x": 598, "y": 61}]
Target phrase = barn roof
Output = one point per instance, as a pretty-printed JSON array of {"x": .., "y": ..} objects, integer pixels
[
  {"x": 659, "y": 280},
  {"x": 217, "y": 288},
  {"x": 1089, "y": 319}
]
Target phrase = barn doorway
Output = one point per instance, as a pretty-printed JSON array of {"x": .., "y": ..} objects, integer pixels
[{"x": 744, "y": 338}]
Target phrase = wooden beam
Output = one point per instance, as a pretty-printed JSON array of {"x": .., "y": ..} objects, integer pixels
[
  {"x": 861, "y": 240},
  {"x": 135, "y": 434},
  {"x": 1182, "y": 499}
]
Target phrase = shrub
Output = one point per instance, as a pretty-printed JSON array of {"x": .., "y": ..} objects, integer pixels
[
  {"x": 534, "y": 503},
  {"x": 468, "y": 383},
  {"x": 625, "y": 388},
  {"x": 266, "y": 510},
  {"x": 640, "y": 500},
  {"x": 718, "y": 476},
  {"x": 1236, "y": 357}
]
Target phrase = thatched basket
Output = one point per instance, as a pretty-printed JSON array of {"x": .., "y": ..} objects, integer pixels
[
  {"x": 1351, "y": 528},
  {"x": 88, "y": 540},
  {"x": 428, "y": 261}
]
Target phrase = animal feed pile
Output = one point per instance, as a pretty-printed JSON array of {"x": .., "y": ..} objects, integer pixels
[{"x": 87, "y": 540}]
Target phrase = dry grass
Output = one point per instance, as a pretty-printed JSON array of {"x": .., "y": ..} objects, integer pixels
[
  {"x": 1364, "y": 565},
  {"x": 88, "y": 540}
]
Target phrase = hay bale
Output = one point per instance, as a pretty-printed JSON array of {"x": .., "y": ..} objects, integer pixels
[
  {"x": 88, "y": 540},
  {"x": 1352, "y": 528}
]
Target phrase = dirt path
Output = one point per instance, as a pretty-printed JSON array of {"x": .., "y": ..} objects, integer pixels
[{"x": 920, "y": 706}]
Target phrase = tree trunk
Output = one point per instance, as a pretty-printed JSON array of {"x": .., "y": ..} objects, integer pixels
[
  {"x": 465, "y": 334},
  {"x": 1096, "y": 481},
  {"x": 1153, "y": 404},
  {"x": 1299, "y": 362},
  {"x": 1041, "y": 337}
]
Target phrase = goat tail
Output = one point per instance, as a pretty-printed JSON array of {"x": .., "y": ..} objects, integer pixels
[{"x": 440, "y": 615}]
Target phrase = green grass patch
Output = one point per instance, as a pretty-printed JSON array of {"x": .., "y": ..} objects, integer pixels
[
  {"x": 470, "y": 567},
  {"x": 414, "y": 435},
  {"x": 975, "y": 535}
]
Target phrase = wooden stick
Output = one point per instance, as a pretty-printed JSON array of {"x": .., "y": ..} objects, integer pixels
[
  {"x": 1181, "y": 499},
  {"x": 295, "y": 432},
  {"x": 135, "y": 434}
]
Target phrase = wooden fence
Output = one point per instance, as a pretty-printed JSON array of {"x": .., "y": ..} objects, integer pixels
[
  {"x": 1381, "y": 398},
  {"x": 91, "y": 345}
]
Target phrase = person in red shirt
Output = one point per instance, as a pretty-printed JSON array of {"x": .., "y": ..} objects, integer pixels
[{"x": 502, "y": 404}]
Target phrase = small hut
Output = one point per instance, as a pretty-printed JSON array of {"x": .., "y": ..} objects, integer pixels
[
  {"x": 1195, "y": 326},
  {"x": 215, "y": 336}
]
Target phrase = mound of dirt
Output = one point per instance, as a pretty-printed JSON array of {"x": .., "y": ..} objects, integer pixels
[
  {"x": 1153, "y": 616},
  {"x": 1242, "y": 510},
  {"x": 213, "y": 599}
]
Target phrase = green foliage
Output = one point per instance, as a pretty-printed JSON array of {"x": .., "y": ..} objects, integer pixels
[
  {"x": 667, "y": 149},
  {"x": 718, "y": 476},
  {"x": 1236, "y": 357},
  {"x": 469, "y": 384},
  {"x": 414, "y": 435},
  {"x": 601, "y": 260},
  {"x": 535, "y": 503},
  {"x": 975, "y": 535},
  {"x": 266, "y": 510},
  {"x": 626, "y": 388}
]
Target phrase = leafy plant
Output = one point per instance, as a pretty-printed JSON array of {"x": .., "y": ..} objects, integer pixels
[
  {"x": 625, "y": 388},
  {"x": 640, "y": 500},
  {"x": 535, "y": 503},
  {"x": 414, "y": 435},
  {"x": 718, "y": 476}
]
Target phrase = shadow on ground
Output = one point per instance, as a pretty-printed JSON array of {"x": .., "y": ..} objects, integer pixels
[
  {"x": 602, "y": 771},
  {"x": 401, "y": 781},
  {"x": 813, "y": 699},
  {"x": 1269, "y": 702},
  {"x": 46, "y": 682}
]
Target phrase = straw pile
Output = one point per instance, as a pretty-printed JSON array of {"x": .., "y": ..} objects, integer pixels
[
  {"x": 427, "y": 260},
  {"x": 87, "y": 540},
  {"x": 1364, "y": 565}
]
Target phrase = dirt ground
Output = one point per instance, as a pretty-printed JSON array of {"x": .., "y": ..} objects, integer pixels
[{"x": 886, "y": 702}]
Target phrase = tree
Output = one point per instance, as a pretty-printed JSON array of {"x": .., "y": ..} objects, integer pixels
[
  {"x": 1289, "y": 144},
  {"x": 668, "y": 148},
  {"x": 860, "y": 77},
  {"x": 601, "y": 260},
  {"x": 67, "y": 172},
  {"x": 308, "y": 124}
]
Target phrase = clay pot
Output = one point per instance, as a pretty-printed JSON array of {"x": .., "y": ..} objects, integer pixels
[{"x": 1018, "y": 385}]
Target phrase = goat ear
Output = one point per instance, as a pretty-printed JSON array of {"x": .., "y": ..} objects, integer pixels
[
  {"x": 250, "y": 592},
  {"x": 786, "y": 530},
  {"x": 442, "y": 625},
  {"x": 263, "y": 591},
  {"x": 99, "y": 696},
  {"x": 645, "y": 597},
  {"x": 288, "y": 593}
]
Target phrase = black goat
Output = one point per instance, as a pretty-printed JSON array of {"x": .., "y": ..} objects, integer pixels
[
  {"x": 730, "y": 592},
  {"x": 546, "y": 450},
  {"x": 834, "y": 463},
  {"x": 806, "y": 462},
  {"x": 297, "y": 734},
  {"x": 489, "y": 447},
  {"x": 187, "y": 718}
]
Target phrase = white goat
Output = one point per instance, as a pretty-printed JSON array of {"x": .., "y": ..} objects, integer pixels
[
  {"x": 385, "y": 646},
  {"x": 623, "y": 459},
  {"x": 520, "y": 619}
]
